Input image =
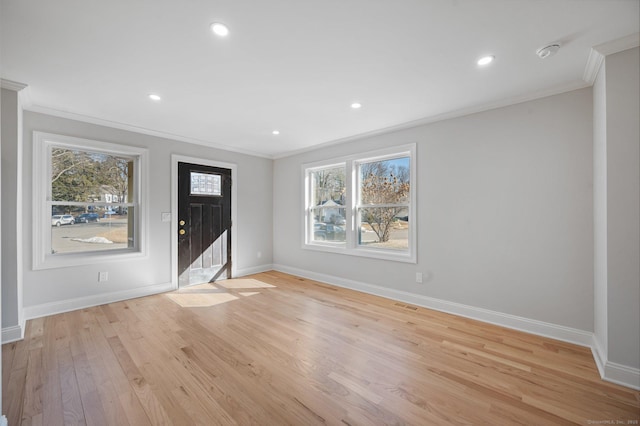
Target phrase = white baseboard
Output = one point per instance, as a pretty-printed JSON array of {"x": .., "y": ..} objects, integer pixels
[
  {"x": 599, "y": 355},
  {"x": 609, "y": 371},
  {"x": 622, "y": 375},
  {"x": 37, "y": 311},
  {"x": 253, "y": 270},
  {"x": 566, "y": 334},
  {"x": 614, "y": 372},
  {"x": 12, "y": 334}
]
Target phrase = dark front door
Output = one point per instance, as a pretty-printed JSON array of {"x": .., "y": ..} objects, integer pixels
[{"x": 204, "y": 223}]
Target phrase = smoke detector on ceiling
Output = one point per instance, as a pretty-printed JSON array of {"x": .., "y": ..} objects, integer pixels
[{"x": 547, "y": 51}]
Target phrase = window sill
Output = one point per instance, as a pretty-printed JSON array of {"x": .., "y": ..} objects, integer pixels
[
  {"x": 82, "y": 259},
  {"x": 379, "y": 254}
]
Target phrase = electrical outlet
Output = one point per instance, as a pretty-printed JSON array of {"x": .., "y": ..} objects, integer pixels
[
  {"x": 103, "y": 276},
  {"x": 419, "y": 277},
  {"x": 259, "y": 254}
]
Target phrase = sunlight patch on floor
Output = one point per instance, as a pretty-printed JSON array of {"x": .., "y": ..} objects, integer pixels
[
  {"x": 238, "y": 283},
  {"x": 211, "y": 294},
  {"x": 200, "y": 300}
]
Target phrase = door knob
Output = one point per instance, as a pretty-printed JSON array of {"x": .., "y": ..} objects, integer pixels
[
  {"x": 182, "y": 232},
  {"x": 181, "y": 223}
]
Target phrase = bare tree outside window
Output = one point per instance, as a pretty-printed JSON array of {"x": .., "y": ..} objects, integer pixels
[
  {"x": 93, "y": 190},
  {"x": 329, "y": 184},
  {"x": 384, "y": 200},
  {"x": 82, "y": 176}
]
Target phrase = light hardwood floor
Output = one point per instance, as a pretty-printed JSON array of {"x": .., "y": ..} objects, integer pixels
[{"x": 273, "y": 349}]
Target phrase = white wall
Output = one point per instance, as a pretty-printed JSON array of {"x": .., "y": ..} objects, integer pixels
[
  {"x": 11, "y": 293},
  {"x": 505, "y": 212},
  {"x": 1, "y": 252},
  {"x": 10, "y": 154},
  {"x": 49, "y": 290},
  {"x": 623, "y": 207}
]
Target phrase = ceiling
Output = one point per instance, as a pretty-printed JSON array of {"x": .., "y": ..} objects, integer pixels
[{"x": 295, "y": 65}]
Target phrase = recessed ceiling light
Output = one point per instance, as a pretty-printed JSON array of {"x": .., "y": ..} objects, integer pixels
[
  {"x": 547, "y": 51},
  {"x": 486, "y": 60},
  {"x": 276, "y": 132},
  {"x": 220, "y": 29},
  {"x": 155, "y": 97},
  {"x": 356, "y": 105}
]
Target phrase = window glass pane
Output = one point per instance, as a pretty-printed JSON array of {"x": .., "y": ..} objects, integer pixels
[
  {"x": 384, "y": 182},
  {"x": 327, "y": 197},
  {"x": 205, "y": 184},
  {"x": 328, "y": 185},
  {"x": 329, "y": 232},
  {"x": 58, "y": 210},
  {"x": 384, "y": 227},
  {"x": 91, "y": 228},
  {"x": 334, "y": 214},
  {"x": 84, "y": 176},
  {"x": 329, "y": 224}
]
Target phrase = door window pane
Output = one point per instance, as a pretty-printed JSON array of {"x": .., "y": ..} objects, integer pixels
[{"x": 205, "y": 184}]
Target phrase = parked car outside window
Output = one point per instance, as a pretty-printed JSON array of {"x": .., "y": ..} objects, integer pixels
[
  {"x": 64, "y": 219},
  {"x": 328, "y": 232},
  {"x": 339, "y": 220},
  {"x": 87, "y": 217}
]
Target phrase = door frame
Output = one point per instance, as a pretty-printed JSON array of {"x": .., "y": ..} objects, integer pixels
[{"x": 175, "y": 159}]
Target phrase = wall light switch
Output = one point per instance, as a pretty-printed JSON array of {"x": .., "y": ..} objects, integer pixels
[
  {"x": 419, "y": 277},
  {"x": 166, "y": 217}
]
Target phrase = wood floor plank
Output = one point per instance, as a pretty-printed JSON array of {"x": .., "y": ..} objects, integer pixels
[
  {"x": 8, "y": 352},
  {"x": 13, "y": 395},
  {"x": 113, "y": 380},
  {"x": 153, "y": 408},
  {"x": 274, "y": 349},
  {"x": 73, "y": 412},
  {"x": 52, "y": 409},
  {"x": 32, "y": 395}
]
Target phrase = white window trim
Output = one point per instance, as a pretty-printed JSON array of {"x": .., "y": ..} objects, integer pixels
[
  {"x": 351, "y": 247},
  {"x": 41, "y": 251}
]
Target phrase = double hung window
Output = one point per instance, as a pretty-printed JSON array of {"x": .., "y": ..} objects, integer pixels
[
  {"x": 363, "y": 205},
  {"x": 87, "y": 201}
]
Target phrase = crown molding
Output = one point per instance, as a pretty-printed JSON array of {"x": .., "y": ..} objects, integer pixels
[
  {"x": 142, "y": 130},
  {"x": 619, "y": 44},
  {"x": 23, "y": 90},
  {"x": 599, "y": 52},
  {"x": 594, "y": 62},
  {"x": 12, "y": 85}
]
